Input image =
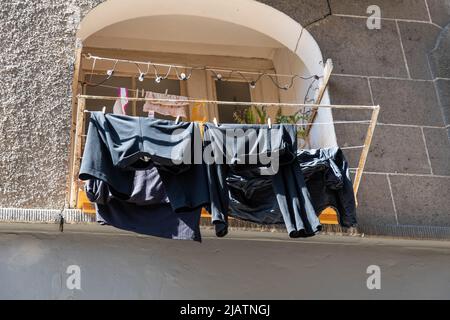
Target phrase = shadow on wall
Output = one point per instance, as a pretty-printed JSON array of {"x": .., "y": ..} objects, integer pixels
[
  {"x": 440, "y": 55},
  {"x": 439, "y": 58}
]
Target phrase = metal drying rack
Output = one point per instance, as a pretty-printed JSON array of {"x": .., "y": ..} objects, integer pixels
[{"x": 81, "y": 112}]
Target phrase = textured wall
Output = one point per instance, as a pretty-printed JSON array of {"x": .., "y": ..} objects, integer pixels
[
  {"x": 402, "y": 67},
  {"x": 36, "y": 63}
]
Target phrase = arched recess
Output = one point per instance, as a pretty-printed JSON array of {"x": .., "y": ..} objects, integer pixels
[
  {"x": 439, "y": 59},
  {"x": 240, "y": 20},
  {"x": 248, "y": 14}
]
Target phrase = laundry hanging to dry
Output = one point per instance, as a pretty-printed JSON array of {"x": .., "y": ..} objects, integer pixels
[
  {"x": 176, "y": 108},
  {"x": 122, "y": 184}
]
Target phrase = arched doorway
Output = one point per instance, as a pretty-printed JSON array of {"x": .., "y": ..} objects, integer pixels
[{"x": 233, "y": 35}]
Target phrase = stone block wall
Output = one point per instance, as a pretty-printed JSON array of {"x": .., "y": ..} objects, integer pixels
[{"x": 403, "y": 67}]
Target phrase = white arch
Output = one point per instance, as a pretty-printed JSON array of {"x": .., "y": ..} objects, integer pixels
[{"x": 248, "y": 13}]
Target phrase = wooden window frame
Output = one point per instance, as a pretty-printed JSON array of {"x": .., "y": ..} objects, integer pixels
[{"x": 82, "y": 68}]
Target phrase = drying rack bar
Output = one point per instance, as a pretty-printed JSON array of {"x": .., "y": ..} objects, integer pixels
[
  {"x": 236, "y": 103},
  {"x": 177, "y": 66},
  {"x": 81, "y": 109},
  {"x": 306, "y": 123}
]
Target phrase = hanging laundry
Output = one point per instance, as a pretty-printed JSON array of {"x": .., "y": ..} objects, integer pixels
[
  {"x": 150, "y": 176},
  {"x": 175, "y": 109},
  {"x": 121, "y": 103},
  {"x": 239, "y": 157},
  {"x": 147, "y": 211},
  {"x": 117, "y": 145},
  {"x": 328, "y": 180},
  {"x": 252, "y": 197}
]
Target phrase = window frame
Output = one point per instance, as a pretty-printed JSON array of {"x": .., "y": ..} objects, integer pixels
[{"x": 82, "y": 69}]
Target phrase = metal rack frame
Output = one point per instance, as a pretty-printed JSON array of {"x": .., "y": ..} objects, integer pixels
[{"x": 80, "y": 122}]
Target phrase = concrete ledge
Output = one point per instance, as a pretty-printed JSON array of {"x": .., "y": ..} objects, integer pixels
[
  {"x": 27, "y": 219},
  {"x": 44, "y": 215},
  {"x": 363, "y": 230}
]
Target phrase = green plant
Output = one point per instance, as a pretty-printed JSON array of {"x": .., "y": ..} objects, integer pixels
[
  {"x": 292, "y": 119},
  {"x": 253, "y": 114},
  {"x": 249, "y": 115}
]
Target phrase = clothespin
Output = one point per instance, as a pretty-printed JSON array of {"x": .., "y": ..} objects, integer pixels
[
  {"x": 104, "y": 110},
  {"x": 60, "y": 221},
  {"x": 269, "y": 122},
  {"x": 167, "y": 91},
  {"x": 215, "y": 121},
  {"x": 177, "y": 120}
]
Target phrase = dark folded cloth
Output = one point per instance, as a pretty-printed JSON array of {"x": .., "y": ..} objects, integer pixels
[
  {"x": 147, "y": 211},
  {"x": 328, "y": 180},
  {"x": 118, "y": 145}
]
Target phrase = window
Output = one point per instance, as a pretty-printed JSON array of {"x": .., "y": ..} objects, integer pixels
[
  {"x": 110, "y": 88},
  {"x": 203, "y": 85},
  {"x": 232, "y": 91}
]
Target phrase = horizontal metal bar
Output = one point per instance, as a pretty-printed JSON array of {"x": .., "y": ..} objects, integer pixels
[
  {"x": 300, "y": 124},
  {"x": 235, "y": 103},
  {"x": 341, "y": 122},
  {"x": 352, "y": 147}
]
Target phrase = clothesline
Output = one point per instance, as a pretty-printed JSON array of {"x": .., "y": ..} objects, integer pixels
[
  {"x": 78, "y": 141},
  {"x": 236, "y": 103},
  {"x": 143, "y": 90},
  {"x": 128, "y": 89},
  {"x": 84, "y": 136},
  {"x": 108, "y": 86},
  {"x": 308, "y": 123},
  {"x": 342, "y": 148},
  {"x": 207, "y": 68}
]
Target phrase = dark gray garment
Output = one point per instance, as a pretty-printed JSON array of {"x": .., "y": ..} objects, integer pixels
[
  {"x": 252, "y": 197},
  {"x": 328, "y": 180},
  {"x": 118, "y": 145},
  {"x": 147, "y": 211},
  {"x": 288, "y": 184},
  {"x": 250, "y": 144}
]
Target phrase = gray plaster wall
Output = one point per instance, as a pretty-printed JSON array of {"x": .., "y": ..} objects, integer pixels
[
  {"x": 36, "y": 65},
  {"x": 404, "y": 67},
  {"x": 35, "y": 259}
]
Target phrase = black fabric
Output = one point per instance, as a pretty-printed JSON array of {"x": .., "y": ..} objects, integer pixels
[
  {"x": 327, "y": 176},
  {"x": 288, "y": 185},
  {"x": 147, "y": 211},
  {"x": 118, "y": 145},
  {"x": 149, "y": 176},
  {"x": 252, "y": 197}
]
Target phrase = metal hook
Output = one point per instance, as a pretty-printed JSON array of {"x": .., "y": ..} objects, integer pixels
[{"x": 110, "y": 72}]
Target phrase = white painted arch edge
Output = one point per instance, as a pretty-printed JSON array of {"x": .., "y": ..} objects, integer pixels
[{"x": 247, "y": 13}]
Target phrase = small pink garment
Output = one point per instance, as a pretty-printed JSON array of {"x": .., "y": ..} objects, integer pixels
[
  {"x": 175, "y": 109},
  {"x": 120, "y": 106}
]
